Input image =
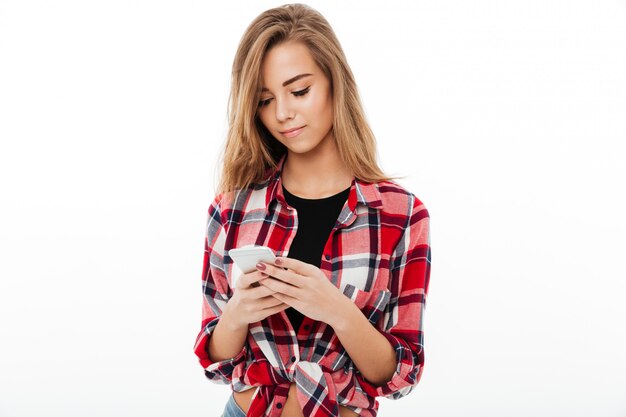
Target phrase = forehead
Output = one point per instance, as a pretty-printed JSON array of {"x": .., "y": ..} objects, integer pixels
[{"x": 285, "y": 60}]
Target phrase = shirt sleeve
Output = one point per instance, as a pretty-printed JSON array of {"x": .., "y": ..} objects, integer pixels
[
  {"x": 216, "y": 294},
  {"x": 403, "y": 316}
]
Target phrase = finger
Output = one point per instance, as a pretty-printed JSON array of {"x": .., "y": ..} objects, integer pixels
[
  {"x": 246, "y": 280},
  {"x": 275, "y": 309},
  {"x": 285, "y": 298},
  {"x": 296, "y": 265},
  {"x": 283, "y": 274},
  {"x": 281, "y": 287},
  {"x": 260, "y": 291},
  {"x": 270, "y": 301}
]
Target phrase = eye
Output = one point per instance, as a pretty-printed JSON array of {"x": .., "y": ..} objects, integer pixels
[
  {"x": 299, "y": 93},
  {"x": 302, "y": 92},
  {"x": 264, "y": 102}
]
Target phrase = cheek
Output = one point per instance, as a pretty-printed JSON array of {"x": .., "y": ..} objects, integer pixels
[
  {"x": 322, "y": 109},
  {"x": 326, "y": 113},
  {"x": 266, "y": 121}
]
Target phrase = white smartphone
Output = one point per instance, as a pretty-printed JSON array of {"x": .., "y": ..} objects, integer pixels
[{"x": 246, "y": 257}]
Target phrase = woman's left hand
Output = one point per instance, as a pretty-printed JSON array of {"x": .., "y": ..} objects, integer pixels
[{"x": 304, "y": 287}]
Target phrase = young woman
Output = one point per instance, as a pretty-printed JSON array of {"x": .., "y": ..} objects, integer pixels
[{"x": 337, "y": 319}]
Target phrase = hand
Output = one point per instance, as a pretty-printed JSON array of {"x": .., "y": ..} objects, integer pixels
[
  {"x": 252, "y": 302},
  {"x": 304, "y": 287}
]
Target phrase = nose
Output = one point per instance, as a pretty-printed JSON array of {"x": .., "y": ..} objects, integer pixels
[{"x": 283, "y": 110}]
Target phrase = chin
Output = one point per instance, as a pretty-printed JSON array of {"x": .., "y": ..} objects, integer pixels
[
  {"x": 298, "y": 149},
  {"x": 303, "y": 145},
  {"x": 302, "y": 148}
]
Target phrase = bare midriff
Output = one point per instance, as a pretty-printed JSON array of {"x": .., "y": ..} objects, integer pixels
[{"x": 291, "y": 407}]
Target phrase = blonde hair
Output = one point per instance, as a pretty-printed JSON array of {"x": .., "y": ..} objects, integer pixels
[{"x": 250, "y": 150}]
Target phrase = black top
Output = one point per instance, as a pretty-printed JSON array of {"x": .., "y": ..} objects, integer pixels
[{"x": 316, "y": 219}]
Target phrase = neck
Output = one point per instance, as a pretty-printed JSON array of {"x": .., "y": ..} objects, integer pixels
[{"x": 316, "y": 174}]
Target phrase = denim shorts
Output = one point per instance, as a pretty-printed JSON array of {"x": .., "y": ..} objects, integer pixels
[{"x": 232, "y": 409}]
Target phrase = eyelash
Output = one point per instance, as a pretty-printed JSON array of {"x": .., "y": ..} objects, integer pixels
[{"x": 299, "y": 93}]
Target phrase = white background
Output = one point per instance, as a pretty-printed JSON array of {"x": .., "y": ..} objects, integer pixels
[{"x": 508, "y": 119}]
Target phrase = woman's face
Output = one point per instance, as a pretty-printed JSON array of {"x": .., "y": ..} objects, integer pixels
[{"x": 295, "y": 94}]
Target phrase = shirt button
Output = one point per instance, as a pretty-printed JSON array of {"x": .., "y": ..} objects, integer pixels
[
  {"x": 293, "y": 359},
  {"x": 327, "y": 257},
  {"x": 307, "y": 327},
  {"x": 279, "y": 405}
]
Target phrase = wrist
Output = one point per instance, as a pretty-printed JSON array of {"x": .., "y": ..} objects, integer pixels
[
  {"x": 229, "y": 320},
  {"x": 344, "y": 314}
]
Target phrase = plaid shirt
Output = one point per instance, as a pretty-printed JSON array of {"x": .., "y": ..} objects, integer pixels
[{"x": 378, "y": 255}]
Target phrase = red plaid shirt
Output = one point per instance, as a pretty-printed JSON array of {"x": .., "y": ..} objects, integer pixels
[{"x": 378, "y": 255}]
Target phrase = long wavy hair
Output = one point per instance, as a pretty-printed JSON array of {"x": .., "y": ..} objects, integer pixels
[{"x": 250, "y": 150}]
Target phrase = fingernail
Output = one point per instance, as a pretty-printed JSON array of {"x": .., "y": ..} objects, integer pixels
[
  {"x": 279, "y": 261},
  {"x": 260, "y": 266}
]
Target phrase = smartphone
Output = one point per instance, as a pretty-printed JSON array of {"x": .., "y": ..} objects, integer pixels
[{"x": 246, "y": 257}]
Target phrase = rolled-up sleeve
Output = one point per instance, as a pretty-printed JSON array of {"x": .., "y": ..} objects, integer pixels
[
  {"x": 403, "y": 318},
  {"x": 215, "y": 296}
]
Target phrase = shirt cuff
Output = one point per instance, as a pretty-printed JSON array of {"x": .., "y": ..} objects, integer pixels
[
  {"x": 218, "y": 371},
  {"x": 406, "y": 375}
]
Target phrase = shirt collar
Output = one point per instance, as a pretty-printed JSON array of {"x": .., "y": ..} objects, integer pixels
[{"x": 365, "y": 193}]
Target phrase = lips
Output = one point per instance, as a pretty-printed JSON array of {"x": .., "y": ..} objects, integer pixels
[
  {"x": 290, "y": 130},
  {"x": 292, "y": 133}
]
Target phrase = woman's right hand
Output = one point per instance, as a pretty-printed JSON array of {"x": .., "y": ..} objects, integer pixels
[{"x": 251, "y": 303}]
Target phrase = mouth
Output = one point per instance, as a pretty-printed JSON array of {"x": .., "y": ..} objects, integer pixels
[{"x": 292, "y": 132}]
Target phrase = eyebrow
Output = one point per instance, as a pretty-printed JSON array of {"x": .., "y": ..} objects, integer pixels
[{"x": 289, "y": 81}]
